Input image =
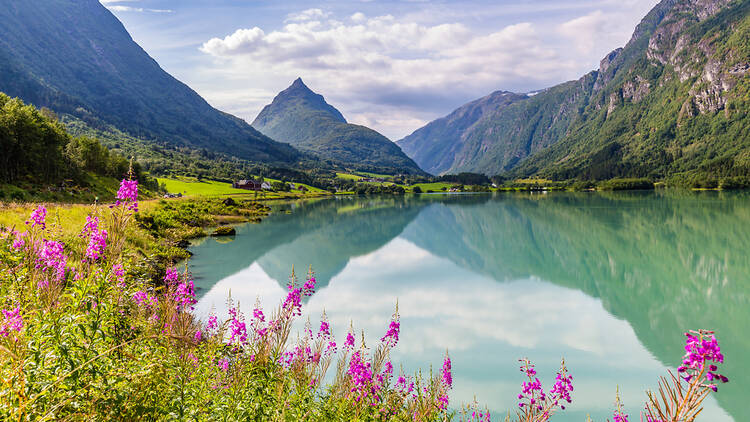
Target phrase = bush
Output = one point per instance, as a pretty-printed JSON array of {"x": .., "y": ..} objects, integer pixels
[{"x": 626, "y": 184}]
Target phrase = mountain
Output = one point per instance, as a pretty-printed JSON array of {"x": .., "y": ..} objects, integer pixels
[
  {"x": 304, "y": 119},
  {"x": 672, "y": 102},
  {"x": 76, "y": 58},
  {"x": 437, "y": 146}
]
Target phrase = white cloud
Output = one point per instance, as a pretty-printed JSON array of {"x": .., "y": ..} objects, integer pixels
[
  {"x": 307, "y": 15},
  {"x": 120, "y": 8},
  {"x": 369, "y": 62},
  {"x": 593, "y": 32}
]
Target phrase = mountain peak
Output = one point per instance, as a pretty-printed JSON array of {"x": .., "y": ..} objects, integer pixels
[
  {"x": 298, "y": 83},
  {"x": 304, "y": 119},
  {"x": 298, "y": 96}
]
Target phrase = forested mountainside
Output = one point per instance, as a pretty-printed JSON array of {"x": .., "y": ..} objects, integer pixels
[
  {"x": 305, "y": 120},
  {"x": 436, "y": 146},
  {"x": 672, "y": 102},
  {"x": 76, "y": 58},
  {"x": 40, "y": 158}
]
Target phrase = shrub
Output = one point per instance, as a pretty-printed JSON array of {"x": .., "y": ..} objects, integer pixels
[{"x": 626, "y": 184}]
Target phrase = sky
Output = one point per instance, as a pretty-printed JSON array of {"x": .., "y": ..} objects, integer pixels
[{"x": 392, "y": 65}]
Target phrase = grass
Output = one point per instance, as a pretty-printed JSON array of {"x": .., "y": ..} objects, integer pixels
[
  {"x": 348, "y": 176},
  {"x": 381, "y": 176},
  {"x": 193, "y": 187},
  {"x": 436, "y": 187},
  {"x": 65, "y": 220}
]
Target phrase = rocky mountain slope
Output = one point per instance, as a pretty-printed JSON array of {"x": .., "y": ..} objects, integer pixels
[
  {"x": 76, "y": 58},
  {"x": 672, "y": 102},
  {"x": 305, "y": 120},
  {"x": 438, "y": 145}
]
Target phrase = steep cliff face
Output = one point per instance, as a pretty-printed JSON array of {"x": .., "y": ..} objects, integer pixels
[
  {"x": 674, "y": 100},
  {"x": 304, "y": 119},
  {"x": 492, "y": 134},
  {"x": 77, "y": 59}
]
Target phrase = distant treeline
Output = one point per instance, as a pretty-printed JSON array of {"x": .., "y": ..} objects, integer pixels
[{"x": 37, "y": 149}]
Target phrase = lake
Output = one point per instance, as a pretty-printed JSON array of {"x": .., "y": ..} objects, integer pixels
[{"x": 609, "y": 281}]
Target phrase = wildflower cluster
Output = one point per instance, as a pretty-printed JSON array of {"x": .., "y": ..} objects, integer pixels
[
  {"x": 38, "y": 218},
  {"x": 535, "y": 404},
  {"x": 619, "y": 415},
  {"x": 472, "y": 412},
  {"x": 128, "y": 194},
  {"x": 12, "y": 321},
  {"x": 97, "y": 239},
  {"x": 681, "y": 396},
  {"x": 702, "y": 349}
]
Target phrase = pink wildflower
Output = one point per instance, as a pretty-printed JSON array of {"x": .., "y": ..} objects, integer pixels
[
  {"x": 213, "y": 323},
  {"x": 12, "y": 321},
  {"x": 38, "y": 217},
  {"x": 391, "y": 336},
  {"x": 97, "y": 243},
  {"x": 128, "y": 194},
  {"x": 702, "y": 348},
  {"x": 52, "y": 257},
  {"x": 349, "y": 343},
  {"x": 19, "y": 241},
  {"x": 446, "y": 372},
  {"x": 237, "y": 328}
]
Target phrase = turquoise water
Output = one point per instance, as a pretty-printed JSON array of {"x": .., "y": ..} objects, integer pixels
[{"x": 607, "y": 281}]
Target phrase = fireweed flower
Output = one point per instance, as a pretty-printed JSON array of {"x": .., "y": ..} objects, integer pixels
[
  {"x": 12, "y": 321},
  {"x": 128, "y": 194},
  {"x": 391, "y": 336},
  {"x": 144, "y": 299},
  {"x": 171, "y": 276},
  {"x": 19, "y": 241},
  {"x": 213, "y": 323},
  {"x": 309, "y": 287},
  {"x": 237, "y": 328},
  {"x": 52, "y": 258},
  {"x": 258, "y": 314},
  {"x": 91, "y": 226},
  {"x": 702, "y": 353},
  {"x": 562, "y": 388},
  {"x": 325, "y": 329},
  {"x": 349, "y": 343},
  {"x": 361, "y": 377},
  {"x": 331, "y": 348},
  {"x": 619, "y": 417},
  {"x": 442, "y": 403},
  {"x": 184, "y": 294},
  {"x": 445, "y": 372},
  {"x": 38, "y": 217},
  {"x": 97, "y": 243},
  {"x": 119, "y": 273}
]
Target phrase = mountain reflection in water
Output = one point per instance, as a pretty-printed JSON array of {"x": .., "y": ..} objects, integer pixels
[{"x": 609, "y": 281}]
